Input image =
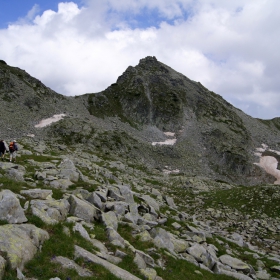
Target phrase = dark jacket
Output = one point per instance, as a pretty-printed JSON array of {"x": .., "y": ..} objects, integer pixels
[{"x": 2, "y": 147}]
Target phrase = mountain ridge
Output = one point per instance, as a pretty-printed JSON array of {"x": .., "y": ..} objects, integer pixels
[{"x": 212, "y": 137}]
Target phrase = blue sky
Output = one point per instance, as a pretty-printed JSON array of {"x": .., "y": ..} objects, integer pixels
[
  {"x": 12, "y": 10},
  {"x": 76, "y": 47}
]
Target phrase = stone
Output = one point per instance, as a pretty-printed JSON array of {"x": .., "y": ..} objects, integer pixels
[
  {"x": 117, "y": 271},
  {"x": 110, "y": 219},
  {"x": 149, "y": 273},
  {"x": 37, "y": 193},
  {"x": 170, "y": 202},
  {"x": 189, "y": 258},
  {"x": 2, "y": 266},
  {"x": 10, "y": 208},
  {"x": 176, "y": 225},
  {"x": 235, "y": 263},
  {"x": 162, "y": 239},
  {"x": 62, "y": 184},
  {"x": 99, "y": 245},
  {"x": 102, "y": 195},
  {"x": 139, "y": 261},
  {"x": 275, "y": 268},
  {"x": 180, "y": 245},
  {"x": 51, "y": 211},
  {"x": 78, "y": 227},
  {"x": 21, "y": 242},
  {"x": 144, "y": 236},
  {"x": 114, "y": 193},
  {"x": 108, "y": 257},
  {"x": 69, "y": 264},
  {"x": 150, "y": 201},
  {"x": 83, "y": 209},
  {"x": 16, "y": 174},
  {"x": 68, "y": 170},
  {"x": 197, "y": 251},
  {"x": 126, "y": 192},
  {"x": 148, "y": 259},
  {"x": 95, "y": 199},
  {"x": 114, "y": 237}
]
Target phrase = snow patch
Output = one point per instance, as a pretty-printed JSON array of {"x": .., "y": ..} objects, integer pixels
[
  {"x": 268, "y": 163},
  {"x": 167, "y": 171},
  {"x": 170, "y": 142},
  {"x": 49, "y": 121}
]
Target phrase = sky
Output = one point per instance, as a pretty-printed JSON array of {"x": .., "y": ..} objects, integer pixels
[{"x": 232, "y": 47}]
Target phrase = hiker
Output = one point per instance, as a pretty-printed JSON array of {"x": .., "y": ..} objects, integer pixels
[
  {"x": 13, "y": 150},
  {"x": 3, "y": 149}
]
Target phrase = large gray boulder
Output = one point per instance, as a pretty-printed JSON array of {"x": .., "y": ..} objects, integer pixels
[
  {"x": 162, "y": 239},
  {"x": 150, "y": 201},
  {"x": 197, "y": 251},
  {"x": 2, "y": 267},
  {"x": 21, "y": 243},
  {"x": 110, "y": 219},
  {"x": 117, "y": 271},
  {"x": 10, "y": 209},
  {"x": 51, "y": 211},
  {"x": 69, "y": 264},
  {"x": 83, "y": 209},
  {"x": 114, "y": 237},
  {"x": 235, "y": 263},
  {"x": 68, "y": 170},
  {"x": 126, "y": 192},
  {"x": 37, "y": 193}
]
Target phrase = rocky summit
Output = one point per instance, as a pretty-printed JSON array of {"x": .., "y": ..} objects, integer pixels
[{"x": 156, "y": 177}]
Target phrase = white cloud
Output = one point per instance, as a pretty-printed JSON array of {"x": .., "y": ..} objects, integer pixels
[{"x": 229, "y": 46}]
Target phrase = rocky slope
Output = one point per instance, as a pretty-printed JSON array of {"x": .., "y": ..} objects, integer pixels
[
  {"x": 153, "y": 178},
  {"x": 69, "y": 214}
]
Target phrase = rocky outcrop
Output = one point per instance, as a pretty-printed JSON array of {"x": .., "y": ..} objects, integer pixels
[
  {"x": 10, "y": 208},
  {"x": 21, "y": 243}
]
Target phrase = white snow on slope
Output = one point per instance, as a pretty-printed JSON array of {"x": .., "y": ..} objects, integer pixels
[
  {"x": 49, "y": 121},
  {"x": 269, "y": 163}
]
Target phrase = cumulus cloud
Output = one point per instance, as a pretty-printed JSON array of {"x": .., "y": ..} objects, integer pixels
[{"x": 229, "y": 46}]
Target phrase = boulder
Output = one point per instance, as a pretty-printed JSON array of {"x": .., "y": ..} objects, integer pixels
[
  {"x": 150, "y": 201},
  {"x": 235, "y": 263},
  {"x": 117, "y": 271},
  {"x": 162, "y": 239},
  {"x": 69, "y": 264},
  {"x": 110, "y": 219},
  {"x": 21, "y": 242},
  {"x": 139, "y": 261},
  {"x": 197, "y": 251},
  {"x": 126, "y": 192},
  {"x": 51, "y": 211},
  {"x": 95, "y": 199},
  {"x": 148, "y": 259},
  {"x": 10, "y": 208},
  {"x": 114, "y": 237},
  {"x": 275, "y": 268},
  {"x": 2, "y": 266},
  {"x": 78, "y": 227},
  {"x": 83, "y": 209},
  {"x": 170, "y": 202},
  {"x": 37, "y": 193},
  {"x": 68, "y": 170}
]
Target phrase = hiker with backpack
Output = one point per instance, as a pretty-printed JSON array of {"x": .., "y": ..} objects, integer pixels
[
  {"x": 3, "y": 149},
  {"x": 13, "y": 150}
]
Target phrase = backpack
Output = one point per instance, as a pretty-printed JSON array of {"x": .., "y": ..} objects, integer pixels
[{"x": 11, "y": 147}]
